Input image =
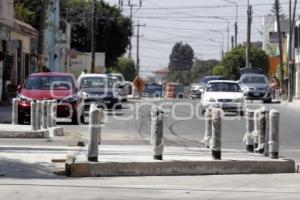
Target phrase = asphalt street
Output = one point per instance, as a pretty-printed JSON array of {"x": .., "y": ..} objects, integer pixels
[{"x": 184, "y": 126}]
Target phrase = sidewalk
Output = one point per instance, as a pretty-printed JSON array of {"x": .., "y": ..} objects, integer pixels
[{"x": 5, "y": 114}]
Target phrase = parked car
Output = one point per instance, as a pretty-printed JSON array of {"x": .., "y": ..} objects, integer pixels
[
  {"x": 198, "y": 88},
  {"x": 255, "y": 87},
  {"x": 121, "y": 85},
  {"x": 49, "y": 86},
  {"x": 97, "y": 88},
  {"x": 223, "y": 94},
  {"x": 153, "y": 90}
]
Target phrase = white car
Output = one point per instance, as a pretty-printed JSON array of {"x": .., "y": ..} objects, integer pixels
[{"x": 223, "y": 94}]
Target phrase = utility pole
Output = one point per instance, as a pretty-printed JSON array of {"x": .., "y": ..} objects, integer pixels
[
  {"x": 138, "y": 48},
  {"x": 280, "y": 44},
  {"x": 131, "y": 7},
  {"x": 236, "y": 20},
  {"x": 291, "y": 48},
  {"x": 93, "y": 38},
  {"x": 248, "y": 45},
  {"x": 42, "y": 26}
]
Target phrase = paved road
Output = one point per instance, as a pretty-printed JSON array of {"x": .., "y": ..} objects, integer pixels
[
  {"x": 184, "y": 126},
  {"x": 271, "y": 187}
]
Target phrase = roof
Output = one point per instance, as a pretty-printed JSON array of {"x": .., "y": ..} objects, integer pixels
[
  {"x": 92, "y": 75},
  {"x": 222, "y": 81},
  {"x": 51, "y": 74},
  {"x": 164, "y": 70},
  {"x": 25, "y": 28}
]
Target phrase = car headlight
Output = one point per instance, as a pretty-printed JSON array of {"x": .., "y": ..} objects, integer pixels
[
  {"x": 211, "y": 100},
  {"x": 71, "y": 99},
  {"x": 24, "y": 98},
  {"x": 239, "y": 100}
]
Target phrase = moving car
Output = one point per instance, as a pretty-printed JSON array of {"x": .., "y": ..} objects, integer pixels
[
  {"x": 255, "y": 87},
  {"x": 198, "y": 88},
  {"x": 49, "y": 86},
  {"x": 97, "y": 88},
  {"x": 223, "y": 94},
  {"x": 121, "y": 85}
]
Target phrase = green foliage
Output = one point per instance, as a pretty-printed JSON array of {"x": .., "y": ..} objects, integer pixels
[
  {"x": 113, "y": 30},
  {"x": 235, "y": 60},
  {"x": 28, "y": 11},
  {"x": 126, "y": 66},
  {"x": 181, "y": 57},
  {"x": 219, "y": 70}
]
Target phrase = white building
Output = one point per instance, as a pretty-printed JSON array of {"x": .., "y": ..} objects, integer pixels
[{"x": 161, "y": 76}]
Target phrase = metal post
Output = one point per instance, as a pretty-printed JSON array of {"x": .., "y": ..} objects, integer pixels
[
  {"x": 53, "y": 113},
  {"x": 262, "y": 131},
  {"x": 256, "y": 128},
  {"x": 49, "y": 102},
  {"x": 39, "y": 115},
  {"x": 266, "y": 148},
  {"x": 157, "y": 116},
  {"x": 14, "y": 118},
  {"x": 33, "y": 115},
  {"x": 216, "y": 143},
  {"x": 44, "y": 114},
  {"x": 274, "y": 134},
  {"x": 208, "y": 127},
  {"x": 249, "y": 130},
  {"x": 95, "y": 131}
]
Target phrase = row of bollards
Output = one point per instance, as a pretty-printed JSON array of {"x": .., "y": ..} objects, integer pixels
[
  {"x": 42, "y": 114},
  {"x": 262, "y": 132}
]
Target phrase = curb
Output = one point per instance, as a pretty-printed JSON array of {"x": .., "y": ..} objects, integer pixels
[{"x": 172, "y": 168}]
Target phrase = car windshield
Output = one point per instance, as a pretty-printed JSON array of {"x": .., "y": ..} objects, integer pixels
[
  {"x": 254, "y": 79},
  {"x": 205, "y": 80},
  {"x": 96, "y": 82},
  {"x": 49, "y": 83},
  {"x": 223, "y": 87}
]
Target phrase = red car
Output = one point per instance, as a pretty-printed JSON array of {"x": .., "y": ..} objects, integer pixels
[{"x": 49, "y": 86}]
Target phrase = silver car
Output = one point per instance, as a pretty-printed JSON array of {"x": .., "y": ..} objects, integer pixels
[{"x": 255, "y": 87}]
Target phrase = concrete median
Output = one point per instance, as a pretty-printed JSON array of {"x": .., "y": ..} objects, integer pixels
[{"x": 136, "y": 161}]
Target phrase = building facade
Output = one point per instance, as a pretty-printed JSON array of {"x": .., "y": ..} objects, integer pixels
[{"x": 6, "y": 24}]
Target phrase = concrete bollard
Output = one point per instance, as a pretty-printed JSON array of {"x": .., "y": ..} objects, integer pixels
[
  {"x": 208, "y": 127},
  {"x": 262, "y": 122},
  {"x": 274, "y": 134},
  {"x": 157, "y": 127},
  {"x": 14, "y": 116},
  {"x": 95, "y": 131},
  {"x": 44, "y": 114},
  {"x": 39, "y": 115},
  {"x": 256, "y": 128},
  {"x": 33, "y": 115},
  {"x": 249, "y": 139},
  {"x": 266, "y": 147},
  {"x": 216, "y": 143},
  {"x": 53, "y": 113},
  {"x": 49, "y": 121}
]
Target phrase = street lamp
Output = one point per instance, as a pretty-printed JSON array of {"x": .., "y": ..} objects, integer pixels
[
  {"x": 222, "y": 38},
  {"x": 228, "y": 30},
  {"x": 236, "y": 20},
  {"x": 221, "y": 50}
]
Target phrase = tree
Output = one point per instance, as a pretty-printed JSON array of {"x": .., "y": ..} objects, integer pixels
[
  {"x": 181, "y": 57},
  {"x": 235, "y": 60},
  {"x": 219, "y": 70},
  {"x": 126, "y": 66},
  {"x": 113, "y": 30}
]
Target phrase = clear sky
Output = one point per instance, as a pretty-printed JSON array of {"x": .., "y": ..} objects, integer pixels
[{"x": 192, "y": 22}]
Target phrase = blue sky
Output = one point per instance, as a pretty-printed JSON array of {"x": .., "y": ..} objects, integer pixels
[{"x": 192, "y": 22}]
